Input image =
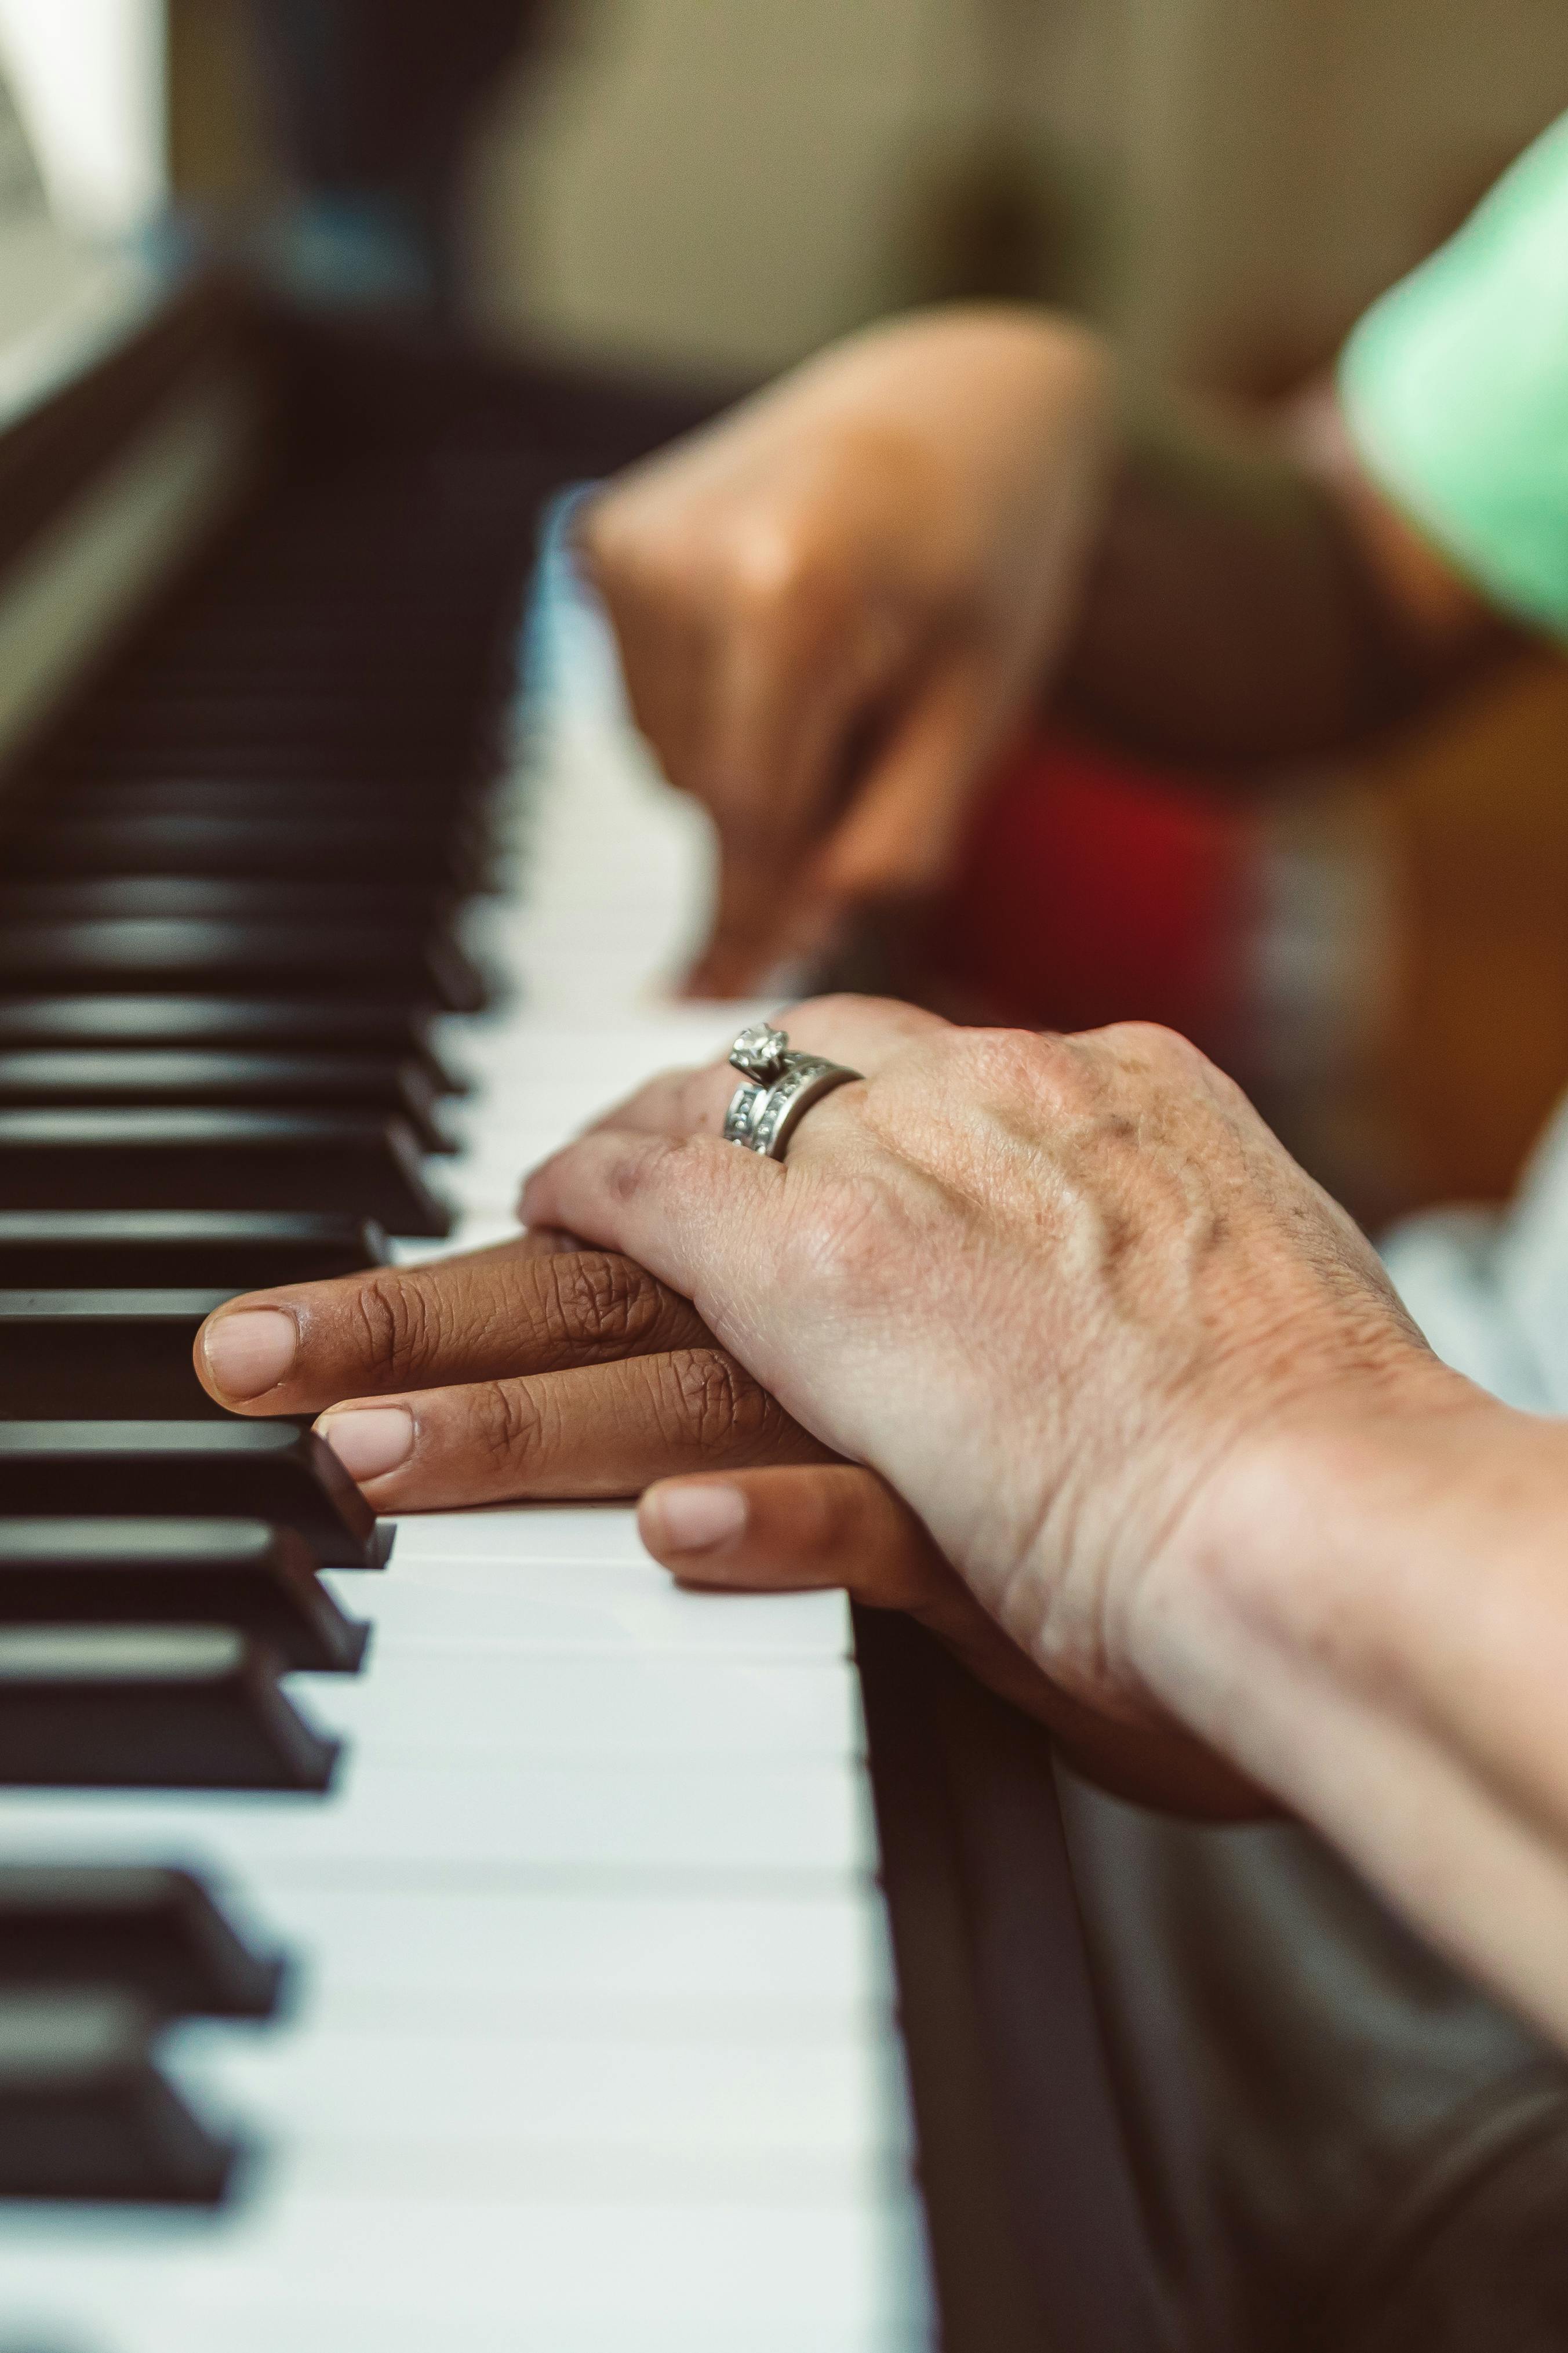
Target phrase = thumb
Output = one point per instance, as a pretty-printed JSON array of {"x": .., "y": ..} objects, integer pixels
[{"x": 790, "y": 1529}]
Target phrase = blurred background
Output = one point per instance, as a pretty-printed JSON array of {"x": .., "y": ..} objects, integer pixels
[{"x": 702, "y": 191}]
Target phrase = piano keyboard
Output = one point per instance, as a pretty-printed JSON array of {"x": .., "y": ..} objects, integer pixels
[{"x": 587, "y": 2038}]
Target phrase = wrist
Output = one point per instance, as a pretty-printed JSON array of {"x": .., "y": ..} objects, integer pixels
[
  {"x": 1375, "y": 1628},
  {"x": 1352, "y": 1551}
]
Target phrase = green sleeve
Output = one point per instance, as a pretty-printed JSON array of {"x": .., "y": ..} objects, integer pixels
[{"x": 1454, "y": 388}]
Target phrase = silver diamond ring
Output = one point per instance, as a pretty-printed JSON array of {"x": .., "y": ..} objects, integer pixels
[{"x": 777, "y": 1089}]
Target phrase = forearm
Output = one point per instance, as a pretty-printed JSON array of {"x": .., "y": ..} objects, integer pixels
[
  {"x": 1375, "y": 1626},
  {"x": 1234, "y": 612}
]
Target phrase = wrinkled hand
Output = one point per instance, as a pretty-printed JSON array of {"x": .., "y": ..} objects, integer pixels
[
  {"x": 1049, "y": 1288},
  {"x": 530, "y": 1371},
  {"x": 833, "y": 606}
]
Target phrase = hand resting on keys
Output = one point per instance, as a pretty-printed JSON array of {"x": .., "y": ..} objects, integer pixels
[
  {"x": 525, "y": 1371},
  {"x": 531, "y": 1371},
  {"x": 534, "y": 1370},
  {"x": 1152, "y": 1395}
]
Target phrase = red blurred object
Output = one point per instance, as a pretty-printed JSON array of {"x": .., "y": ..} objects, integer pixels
[{"x": 1096, "y": 889}]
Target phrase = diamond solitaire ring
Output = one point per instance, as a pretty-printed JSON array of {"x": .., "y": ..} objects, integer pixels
[{"x": 777, "y": 1089}]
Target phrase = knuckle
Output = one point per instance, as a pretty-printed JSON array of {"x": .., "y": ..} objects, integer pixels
[
  {"x": 1017, "y": 1057},
  {"x": 1009, "y": 1070},
  {"x": 776, "y": 573},
  {"x": 1152, "y": 1046},
  {"x": 844, "y": 1024},
  {"x": 597, "y": 1299},
  {"x": 510, "y": 1422},
  {"x": 1068, "y": 1077},
  {"x": 393, "y": 1324},
  {"x": 766, "y": 561},
  {"x": 712, "y": 1404},
  {"x": 1150, "y": 1056}
]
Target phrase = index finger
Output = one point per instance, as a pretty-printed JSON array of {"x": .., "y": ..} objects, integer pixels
[
  {"x": 482, "y": 1316},
  {"x": 765, "y": 914}
]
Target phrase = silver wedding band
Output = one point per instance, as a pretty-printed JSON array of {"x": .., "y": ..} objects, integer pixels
[{"x": 777, "y": 1091}]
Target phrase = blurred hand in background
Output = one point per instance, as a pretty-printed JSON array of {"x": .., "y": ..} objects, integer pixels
[{"x": 835, "y": 605}]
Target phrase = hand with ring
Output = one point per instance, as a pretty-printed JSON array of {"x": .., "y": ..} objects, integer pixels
[
  {"x": 1150, "y": 1400},
  {"x": 925, "y": 1282},
  {"x": 541, "y": 1370}
]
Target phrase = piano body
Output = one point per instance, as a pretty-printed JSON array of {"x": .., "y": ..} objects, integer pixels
[{"x": 519, "y": 1976}]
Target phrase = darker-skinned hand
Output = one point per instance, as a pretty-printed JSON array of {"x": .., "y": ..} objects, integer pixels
[{"x": 523, "y": 1371}]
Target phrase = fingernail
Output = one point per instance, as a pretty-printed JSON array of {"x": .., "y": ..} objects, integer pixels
[
  {"x": 249, "y": 1353},
  {"x": 371, "y": 1442},
  {"x": 694, "y": 1518}
]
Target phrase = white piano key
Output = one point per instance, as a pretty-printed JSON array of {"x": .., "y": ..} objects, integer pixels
[
  {"x": 444, "y": 2092},
  {"x": 487, "y": 1703},
  {"x": 525, "y": 1532},
  {"x": 477, "y": 1602},
  {"x": 470, "y": 1233},
  {"x": 399, "y": 2332},
  {"x": 731, "y": 1966},
  {"x": 556, "y": 2273},
  {"x": 503, "y": 1817},
  {"x": 517, "y": 1049}
]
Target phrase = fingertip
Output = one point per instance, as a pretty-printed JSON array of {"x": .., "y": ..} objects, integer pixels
[
  {"x": 369, "y": 1441},
  {"x": 528, "y": 1209},
  {"x": 680, "y": 1520},
  {"x": 243, "y": 1353}
]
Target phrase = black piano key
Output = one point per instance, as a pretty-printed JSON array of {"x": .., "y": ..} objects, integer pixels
[
  {"x": 268, "y": 1471},
  {"x": 215, "y": 1159},
  {"x": 187, "y": 699},
  {"x": 418, "y": 761},
  {"x": 187, "y": 1079},
  {"x": 106, "y": 1354},
  {"x": 223, "y": 1025},
  {"x": 237, "y": 1573},
  {"x": 430, "y": 808},
  {"x": 84, "y": 2112},
  {"x": 290, "y": 661},
  {"x": 147, "y": 955},
  {"x": 134, "y": 725},
  {"x": 151, "y": 1933},
  {"x": 115, "y": 733},
  {"x": 221, "y": 1250},
  {"x": 150, "y": 1707},
  {"x": 314, "y": 897},
  {"x": 286, "y": 847}
]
